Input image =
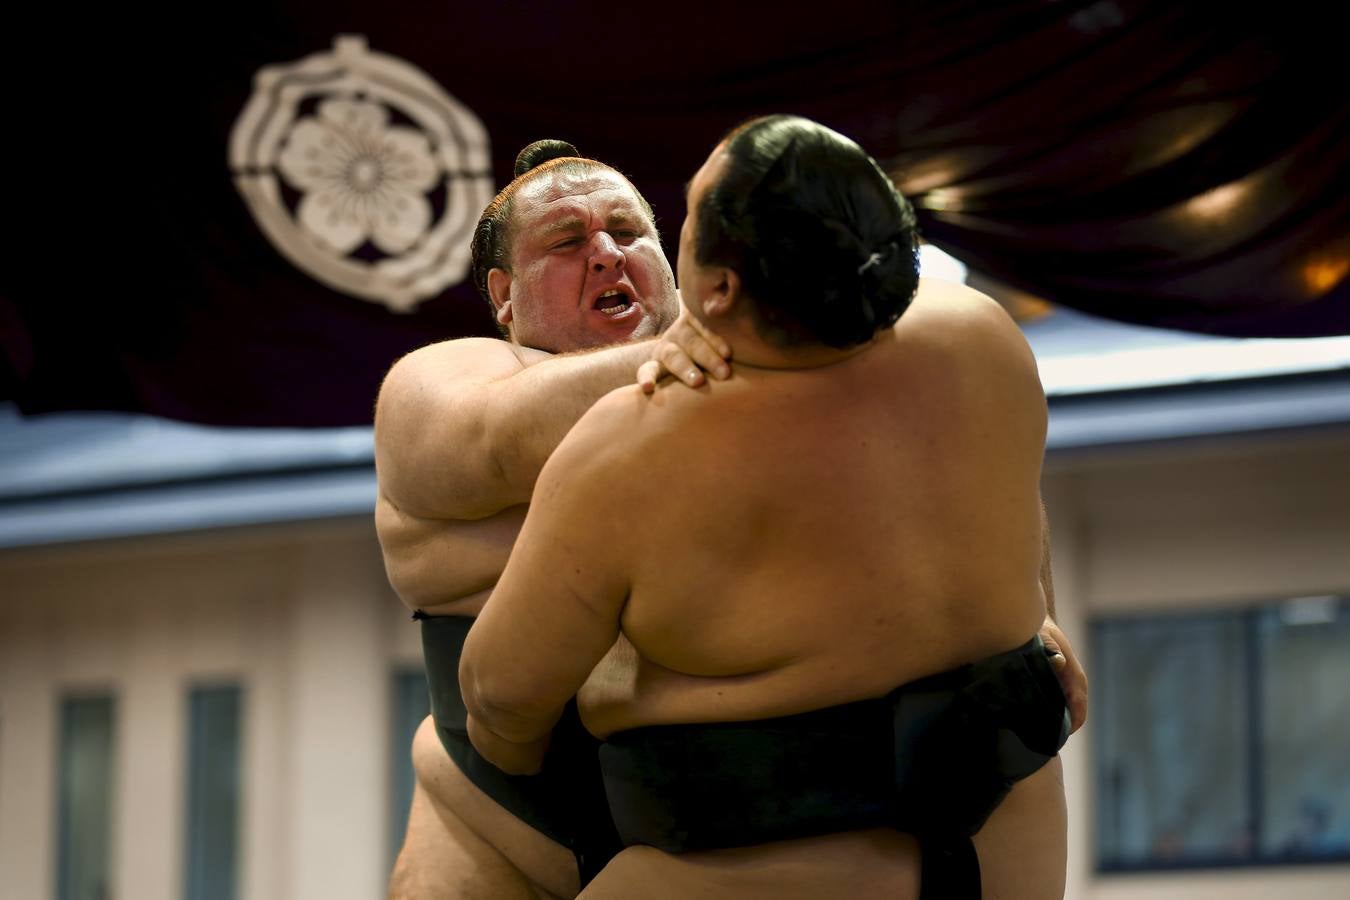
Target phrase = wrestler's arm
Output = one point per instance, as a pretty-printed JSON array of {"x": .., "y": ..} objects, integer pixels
[
  {"x": 1072, "y": 676},
  {"x": 462, "y": 429},
  {"x": 555, "y": 612},
  {"x": 1005, "y": 347}
]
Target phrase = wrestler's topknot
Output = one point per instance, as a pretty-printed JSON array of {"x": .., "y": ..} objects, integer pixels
[
  {"x": 822, "y": 241},
  {"x": 541, "y": 152}
]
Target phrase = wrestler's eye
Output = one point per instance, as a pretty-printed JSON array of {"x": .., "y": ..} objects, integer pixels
[{"x": 568, "y": 242}]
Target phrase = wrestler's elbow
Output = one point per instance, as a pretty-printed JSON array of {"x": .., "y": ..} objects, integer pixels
[
  {"x": 498, "y": 706},
  {"x": 511, "y": 757},
  {"x": 512, "y": 744}
]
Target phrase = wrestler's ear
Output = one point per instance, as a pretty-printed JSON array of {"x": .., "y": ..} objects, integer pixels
[
  {"x": 723, "y": 296},
  {"x": 499, "y": 291}
]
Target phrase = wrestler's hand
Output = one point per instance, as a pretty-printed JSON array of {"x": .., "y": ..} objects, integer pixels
[
  {"x": 510, "y": 757},
  {"x": 1072, "y": 678},
  {"x": 686, "y": 350}
]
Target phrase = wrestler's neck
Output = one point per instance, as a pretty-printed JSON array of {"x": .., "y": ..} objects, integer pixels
[{"x": 751, "y": 350}]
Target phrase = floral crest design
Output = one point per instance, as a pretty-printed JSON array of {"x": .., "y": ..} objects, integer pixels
[
  {"x": 362, "y": 179},
  {"x": 364, "y": 172}
]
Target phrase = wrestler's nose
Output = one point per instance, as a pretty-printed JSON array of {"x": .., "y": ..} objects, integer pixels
[{"x": 605, "y": 253}]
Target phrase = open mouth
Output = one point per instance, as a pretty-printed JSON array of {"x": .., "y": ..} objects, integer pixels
[{"x": 614, "y": 302}]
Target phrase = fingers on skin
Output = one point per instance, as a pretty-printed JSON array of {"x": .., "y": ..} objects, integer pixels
[
  {"x": 678, "y": 363},
  {"x": 710, "y": 361},
  {"x": 647, "y": 374},
  {"x": 712, "y": 338}
]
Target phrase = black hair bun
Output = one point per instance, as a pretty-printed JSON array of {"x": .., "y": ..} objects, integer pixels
[{"x": 541, "y": 152}]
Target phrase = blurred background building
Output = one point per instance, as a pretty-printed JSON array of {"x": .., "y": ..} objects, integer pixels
[{"x": 207, "y": 688}]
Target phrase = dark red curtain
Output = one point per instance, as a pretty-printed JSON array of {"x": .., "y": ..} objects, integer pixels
[{"x": 1183, "y": 165}]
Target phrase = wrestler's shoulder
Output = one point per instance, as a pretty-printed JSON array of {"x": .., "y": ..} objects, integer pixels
[
  {"x": 474, "y": 356},
  {"x": 949, "y": 315},
  {"x": 442, "y": 371},
  {"x": 608, "y": 458},
  {"x": 627, "y": 421},
  {"x": 624, "y": 409},
  {"x": 954, "y": 305}
]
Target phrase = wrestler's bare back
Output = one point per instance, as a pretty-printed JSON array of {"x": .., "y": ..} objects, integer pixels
[
  {"x": 463, "y": 838},
  {"x": 898, "y": 538}
]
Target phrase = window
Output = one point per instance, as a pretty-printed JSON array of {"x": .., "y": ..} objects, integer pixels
[
  {"x": 1304, "y": 650},
  {"x": 411, "y": 704},
  {"x": 84, "y": 798},
  {"x": 1220, "y": 738},
  {"x": 213, "y": 775}
]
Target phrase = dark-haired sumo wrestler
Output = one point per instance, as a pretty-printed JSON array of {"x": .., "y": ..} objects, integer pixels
[{"x": 826, "y": 568}]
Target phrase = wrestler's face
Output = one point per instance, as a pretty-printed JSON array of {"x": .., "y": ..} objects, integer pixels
[{"x": 586, "y": 264}]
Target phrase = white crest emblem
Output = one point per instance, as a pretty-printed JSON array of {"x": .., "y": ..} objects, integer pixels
[{"x": 364, "y": 172}]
